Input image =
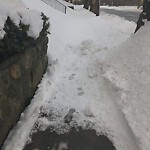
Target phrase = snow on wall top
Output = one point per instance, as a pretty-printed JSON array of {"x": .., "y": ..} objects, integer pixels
[{"x": 19, "y": 13}]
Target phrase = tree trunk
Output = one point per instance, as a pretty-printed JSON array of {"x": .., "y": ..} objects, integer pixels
[
  {"x": 93, "y": 4},
  {"x": 86, "y": 4},
  {"x": 97, "y": 5}
]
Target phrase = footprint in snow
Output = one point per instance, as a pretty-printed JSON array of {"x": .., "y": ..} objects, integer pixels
[
  {"x": 69, "y": 116},
  {"x": 79, "y": 88},
  {"x": 80, "y": 91},
  {"x": 71, "y": 77},
  {"x": 92, "y": 70}
]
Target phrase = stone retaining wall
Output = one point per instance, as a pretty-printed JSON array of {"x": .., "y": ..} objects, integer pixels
[{"x": 19, "y": 76}]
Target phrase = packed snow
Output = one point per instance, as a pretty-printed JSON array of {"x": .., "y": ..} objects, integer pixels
[
  {"x": 98, "y": 68},
  {"x": 20, "y": 14}
]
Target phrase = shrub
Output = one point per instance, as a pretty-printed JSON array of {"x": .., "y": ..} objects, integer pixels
[{"x": 16, "y": 38}]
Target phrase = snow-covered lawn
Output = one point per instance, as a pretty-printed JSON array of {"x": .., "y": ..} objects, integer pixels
[{"x": 96, "y": 68}]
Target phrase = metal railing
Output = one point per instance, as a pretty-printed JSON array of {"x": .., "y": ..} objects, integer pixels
[{"x": 56, "y": 5}]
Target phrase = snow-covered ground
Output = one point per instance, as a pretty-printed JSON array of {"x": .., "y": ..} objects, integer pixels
[{"x": 98, "y": 67}]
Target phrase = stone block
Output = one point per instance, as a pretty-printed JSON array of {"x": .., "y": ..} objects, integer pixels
[
  {"x": 4, "y": 80},
  {"x": 15, "y": 71},
  {"x": 19, "y": 78}
]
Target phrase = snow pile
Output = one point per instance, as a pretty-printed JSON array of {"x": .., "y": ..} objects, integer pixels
[
  {"x": 20, "y": 14},
  {"x": 128, "y": 69}
]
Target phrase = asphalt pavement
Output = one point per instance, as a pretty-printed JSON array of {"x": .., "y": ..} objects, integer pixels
[
  {"x": 76, "y": 139},
  {"x": 128, "y": 15}
]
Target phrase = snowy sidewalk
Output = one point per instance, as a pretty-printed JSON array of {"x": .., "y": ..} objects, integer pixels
[{"x": 74, "y": 78}]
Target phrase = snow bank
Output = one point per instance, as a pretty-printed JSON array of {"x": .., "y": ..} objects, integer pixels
[
  {"x": 20, "y": 14},
  {"x": 128, "y": 69}
]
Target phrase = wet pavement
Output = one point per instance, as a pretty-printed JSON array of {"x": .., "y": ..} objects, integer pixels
[
  {"x": 128, "y": 15},
  {"x": 74, "y": 140}
]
